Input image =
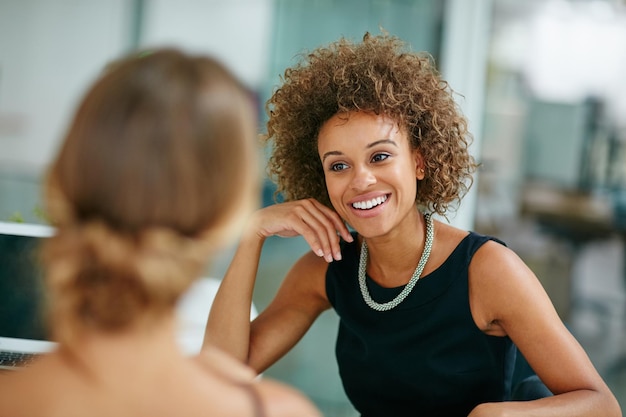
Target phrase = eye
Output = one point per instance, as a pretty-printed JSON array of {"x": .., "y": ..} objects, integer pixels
[
  {"x": 338, "y": 166},
  {"x": 380, "y": 157}
]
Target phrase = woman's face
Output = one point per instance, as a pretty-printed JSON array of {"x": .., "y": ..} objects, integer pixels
[{"x": 370, "y": 171}]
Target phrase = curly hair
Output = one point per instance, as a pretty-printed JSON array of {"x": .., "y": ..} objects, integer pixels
[{"x": 379, "y": 75}]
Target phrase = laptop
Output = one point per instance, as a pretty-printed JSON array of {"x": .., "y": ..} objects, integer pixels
[{"x": 23, "y": 333}]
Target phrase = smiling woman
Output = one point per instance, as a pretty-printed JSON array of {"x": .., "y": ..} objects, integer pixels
[
  {"x": 367, "y": 135},
  {"x": 358, "y": 150}
]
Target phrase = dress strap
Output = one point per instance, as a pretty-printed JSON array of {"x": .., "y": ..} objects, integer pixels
[{"x": 257, "y": 404}]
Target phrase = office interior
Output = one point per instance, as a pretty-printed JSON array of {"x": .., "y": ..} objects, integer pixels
[{"x": 540, "y": 81}]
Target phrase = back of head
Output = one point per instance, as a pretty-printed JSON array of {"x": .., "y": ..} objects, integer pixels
[{"x": 156, "y": 167}]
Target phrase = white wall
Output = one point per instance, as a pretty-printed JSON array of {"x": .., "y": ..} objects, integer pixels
[
  {"x": 49, "y": 52},
  {"x": 236, "y": 31},
  {"x": 579, "y": 51},
  {"x": 465, "y": 45}
]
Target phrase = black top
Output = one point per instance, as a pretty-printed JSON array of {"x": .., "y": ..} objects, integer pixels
[{"x": 425, "y": 357}]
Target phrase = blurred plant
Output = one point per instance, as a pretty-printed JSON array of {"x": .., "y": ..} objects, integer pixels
[
  {"x": 38, "y": 212},
  {"x": 16, "y": 217}
]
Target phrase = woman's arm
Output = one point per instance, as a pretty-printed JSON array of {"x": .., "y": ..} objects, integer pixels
[
  {"x": 507, "y": 299},
  {"x": 301, "y": 297}
]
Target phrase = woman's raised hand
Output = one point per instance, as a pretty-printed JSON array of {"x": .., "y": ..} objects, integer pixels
[{"x": 320, "y": 226}]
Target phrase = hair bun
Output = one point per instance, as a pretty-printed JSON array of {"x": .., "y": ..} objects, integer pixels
[{"x": 103, "y": 278}]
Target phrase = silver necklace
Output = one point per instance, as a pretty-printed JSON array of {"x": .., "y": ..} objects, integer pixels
[{"x": 428, "y": 245}]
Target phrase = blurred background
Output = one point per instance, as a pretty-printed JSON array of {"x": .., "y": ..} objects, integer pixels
[{"x": 542, "y": 83}]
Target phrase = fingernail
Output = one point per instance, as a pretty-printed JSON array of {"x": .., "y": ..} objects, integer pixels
[
  {"x": 337, "y": 256},
  {"x": 328, "y": 258},
  {"x": 319, "y": 253}
]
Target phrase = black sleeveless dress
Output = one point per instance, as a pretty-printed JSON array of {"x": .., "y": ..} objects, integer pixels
[{"x": 426, "y": 357}]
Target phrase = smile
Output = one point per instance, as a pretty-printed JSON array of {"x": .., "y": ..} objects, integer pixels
[{"x": 368, "y": 204}]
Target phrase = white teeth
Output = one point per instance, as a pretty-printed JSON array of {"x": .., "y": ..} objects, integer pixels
[{"x": 366, "y": 205}]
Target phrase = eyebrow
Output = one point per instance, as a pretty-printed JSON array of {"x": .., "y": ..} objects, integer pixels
[{"x": 369, "y": 145}]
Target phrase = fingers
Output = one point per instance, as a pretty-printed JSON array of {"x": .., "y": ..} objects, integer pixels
[
  {"x": 320, "y": 229},
  {"x": 339, "y": 225},
  {"x": 320, "y": 226}
]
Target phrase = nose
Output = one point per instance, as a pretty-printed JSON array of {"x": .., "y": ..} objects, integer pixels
[{"x": 362, "y": 178}]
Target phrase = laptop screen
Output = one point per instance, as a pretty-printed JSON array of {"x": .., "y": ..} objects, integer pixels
[{"x": 22, "y": 295}]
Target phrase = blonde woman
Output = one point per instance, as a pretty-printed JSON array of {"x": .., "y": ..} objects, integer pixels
[{"x": 155, "y": 173}]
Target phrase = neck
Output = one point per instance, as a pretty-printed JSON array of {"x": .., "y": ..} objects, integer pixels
[
  {"x": 102, "y": 354},
  {"x": 394, "y": 257}
]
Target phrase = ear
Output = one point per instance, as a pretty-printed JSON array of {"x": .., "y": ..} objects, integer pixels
[{"x": 419, "y": 164}]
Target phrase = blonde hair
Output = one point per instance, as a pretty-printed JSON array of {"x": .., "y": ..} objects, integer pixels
[{"x": 156, "y": 167}]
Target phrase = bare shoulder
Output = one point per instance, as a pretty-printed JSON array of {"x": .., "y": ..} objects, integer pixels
[
  {"x": 280, "y": 400},
  {"x": 13, "y": 398},
  {"x": 494, "y": 258},
  {"x": 501, "y": 286},
  {"x": 11, "y": 385},
  {"x": 306, "y": 279},
  {"x": 228, "y": 393},
  {"x": 34, "y": 390},
  {"x": 220, "y": 362},
  {"x": 310, "y": 264}
]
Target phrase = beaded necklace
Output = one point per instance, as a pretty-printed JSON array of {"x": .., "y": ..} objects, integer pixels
[{"x": 428, "y": 245}]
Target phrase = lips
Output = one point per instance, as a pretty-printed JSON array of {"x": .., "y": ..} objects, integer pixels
[{"x": 370, "y": 203}]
